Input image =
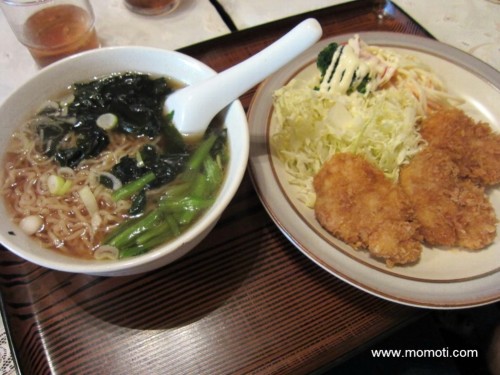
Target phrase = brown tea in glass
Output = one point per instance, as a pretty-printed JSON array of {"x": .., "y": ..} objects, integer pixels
[
  {"x": 152, "y": 7},
  {"x": 59, "y": 31}
]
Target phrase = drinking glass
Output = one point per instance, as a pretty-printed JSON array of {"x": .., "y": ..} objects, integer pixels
[
  {"x": 152, "y": 7},
  {"x": 52, "y": 29}
]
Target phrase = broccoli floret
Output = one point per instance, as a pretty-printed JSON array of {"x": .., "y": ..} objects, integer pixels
[
  {"x": 362, "y": 86},
  {"x": 325, "y": 57},
  {"x": 324, "y": 60}
]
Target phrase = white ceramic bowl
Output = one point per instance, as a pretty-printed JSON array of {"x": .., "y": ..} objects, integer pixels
[{"x": 49, "y": 82}]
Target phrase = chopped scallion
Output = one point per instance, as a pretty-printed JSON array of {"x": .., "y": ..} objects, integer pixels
[
  {"x": 58, "y": 185},
  {"x": 107, "y": 121}
]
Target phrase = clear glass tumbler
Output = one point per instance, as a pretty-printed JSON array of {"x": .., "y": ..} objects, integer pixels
[
  {"x": 152, "y": 7},
  {"x": 52, "y": 29}
]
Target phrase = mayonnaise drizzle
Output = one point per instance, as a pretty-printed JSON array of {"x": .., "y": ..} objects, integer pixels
[{"x": 350, "y": 62}]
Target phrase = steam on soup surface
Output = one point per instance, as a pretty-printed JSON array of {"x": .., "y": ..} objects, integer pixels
[{"x": 102, "y": 173}]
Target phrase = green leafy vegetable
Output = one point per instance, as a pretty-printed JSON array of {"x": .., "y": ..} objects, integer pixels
[
  {"x": 139, "y": 201},
  {"x": 134, "y": 187},
  {"x": 182, "y": 202}
]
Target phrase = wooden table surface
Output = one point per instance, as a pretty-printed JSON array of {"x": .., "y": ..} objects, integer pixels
[{"x": 244, "y": 301}]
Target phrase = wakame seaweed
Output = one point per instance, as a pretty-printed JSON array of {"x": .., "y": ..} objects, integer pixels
[
  {"x": 89, "y": 140},
  {"x": 165, "y": 166},
  {"x": 70, "y": 134},
  {"x": 136, "y": 99}
]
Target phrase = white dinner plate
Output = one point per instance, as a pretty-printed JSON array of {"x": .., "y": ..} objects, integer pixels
[{"x": 443, "y": 278}]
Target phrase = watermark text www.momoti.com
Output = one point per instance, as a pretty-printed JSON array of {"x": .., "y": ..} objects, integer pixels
[{"x": 424, "y": 353}]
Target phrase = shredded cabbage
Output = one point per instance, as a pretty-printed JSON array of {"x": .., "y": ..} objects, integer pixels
[{"x": 314, "y": 125}]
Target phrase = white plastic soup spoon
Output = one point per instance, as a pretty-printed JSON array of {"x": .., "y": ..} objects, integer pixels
[{"x": 196, "y": 105}]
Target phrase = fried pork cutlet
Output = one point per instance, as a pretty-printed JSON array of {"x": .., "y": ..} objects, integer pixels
[
  {"x": 473, "y": 146},
  {"x": 452, "y": 211},
  {"x": 358, "y": 204}
]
